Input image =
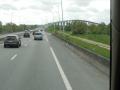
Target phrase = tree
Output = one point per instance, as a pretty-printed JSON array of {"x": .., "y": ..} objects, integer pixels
[
  {"x": 101, "y": 28},
  {"x": 12, "y": 27},
  {"x": 68, "y": 27},
  {"x": 108, "y": 29},
  {"x": 8, "y": 27},
  {"x": 92, "y": 28},
  {"x": 0, "y": 27},
  {"x": 79, "y": 28}
]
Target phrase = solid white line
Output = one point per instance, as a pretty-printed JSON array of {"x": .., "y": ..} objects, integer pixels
[
  {"x": 65, "y": 80},
  {"x": 25, "y": 45},
  {"x": 13, "y": 57},
  {"x": 46, "y": 38}
]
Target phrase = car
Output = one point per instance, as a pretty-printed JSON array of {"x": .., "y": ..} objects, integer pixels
[
  {"x": 12, "y": 40},
  {"x": 26, "y": 35},
  {"x": 38, "y": 36},
  {"x": 41, "y": 30}
]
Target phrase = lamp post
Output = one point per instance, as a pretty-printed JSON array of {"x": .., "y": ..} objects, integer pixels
[
  {"x": 53, "y": 21},
  {"x": 11, "y": 17},
  {"x": 62, "y": 15}
]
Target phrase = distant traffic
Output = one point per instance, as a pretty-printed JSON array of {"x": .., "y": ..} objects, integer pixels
[{"x": 15, "y": 40}]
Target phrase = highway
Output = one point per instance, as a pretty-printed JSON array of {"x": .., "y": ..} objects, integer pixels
[{"x": 47, "y": 65}]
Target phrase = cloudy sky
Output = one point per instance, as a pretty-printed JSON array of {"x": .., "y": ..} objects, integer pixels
[{"x": 44, "y": 11}]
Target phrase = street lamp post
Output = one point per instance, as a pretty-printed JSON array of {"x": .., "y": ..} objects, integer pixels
[
  {"x": 53, "y": 21},
  {"x": 11, "y": 19},
  {"x": 59, "y": 17},
  {"x": 62, "y": 15}
]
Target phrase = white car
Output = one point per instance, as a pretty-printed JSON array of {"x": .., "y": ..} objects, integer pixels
[{"x": 38, "y": 36}]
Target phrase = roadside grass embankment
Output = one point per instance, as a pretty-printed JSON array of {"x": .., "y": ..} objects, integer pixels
[{"x": 78, "y": 42}]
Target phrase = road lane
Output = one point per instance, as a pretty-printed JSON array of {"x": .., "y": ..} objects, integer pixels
[
  {"x": 64, "y": 77},
  {"x": 33, "y": 69},
  {"x": 81, "y": 74}
]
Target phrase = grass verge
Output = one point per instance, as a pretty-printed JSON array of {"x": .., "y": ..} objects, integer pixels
[
  {"x": 76, "y": 41},
  {"x": 97, "y": 37}
]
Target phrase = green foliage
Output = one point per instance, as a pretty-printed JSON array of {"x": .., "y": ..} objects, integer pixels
[
  {"x": 50, "y": 28},
  {"x": 92, "y": 29},
  {"x": 76, "y": 41},
  {"x": 68, "y": 27},
  {"x": 108, "y": 29},
  {"x": 103, "y": 38},
  {"x": 0, "y": 26},
  {"x": 78, "y": 28},
  {"x": 82, "y": 28},
  {"x": 53, "y": 28},
  {"x": 99, "y": 29},
  {"x": 11, "y": 27}
]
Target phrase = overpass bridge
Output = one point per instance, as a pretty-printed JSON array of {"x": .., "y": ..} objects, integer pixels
[{"x": 69, "y": 22}]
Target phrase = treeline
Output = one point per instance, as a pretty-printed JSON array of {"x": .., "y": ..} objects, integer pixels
[
  {"x": 12, "y": 27},
  {"x": 83, "y": 28}
]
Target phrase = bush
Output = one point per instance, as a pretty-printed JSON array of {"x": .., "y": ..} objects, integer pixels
[
  {"x": 68, "y": 27},
  {"x": 11, "y": 27},
  {"x": 99, "y": 29},
  {"x": 79, "y": 28}
]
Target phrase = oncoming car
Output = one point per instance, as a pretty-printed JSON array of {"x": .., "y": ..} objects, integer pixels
[
  {"x": 38, "y": 36},
  {"x": 12, "y": 40}
]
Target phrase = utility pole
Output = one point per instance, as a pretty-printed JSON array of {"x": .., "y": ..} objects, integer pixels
[
  {"x": 62, "y": 15},
  {"x": 53, "y": 21},
  {"x": 58, "y": 17},
  {"x": 11, "y": 20}
]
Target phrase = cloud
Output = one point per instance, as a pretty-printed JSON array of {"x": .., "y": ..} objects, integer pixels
[
  {"x": 30, "y": 10},
  {"x": 47, "y": 2},
  {"x": 82, "y": 3},
  {"x": 7, "y": 7},
  {"x": 43, "y": 5},
  {"x": 93, "y": 10}
]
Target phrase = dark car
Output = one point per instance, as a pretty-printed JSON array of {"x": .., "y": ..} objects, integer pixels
[
  {"x": 12, "y": 40},
  {"x": 26, "y": 35},
  {"x": 41, "y": 30}
]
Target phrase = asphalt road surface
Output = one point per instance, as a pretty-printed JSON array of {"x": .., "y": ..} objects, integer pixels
[{"x": 47, "y": 65}]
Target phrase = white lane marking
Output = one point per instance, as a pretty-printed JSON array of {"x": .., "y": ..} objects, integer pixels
[
  {"x": 25, "y": 45},
  {"x": 46, "y": 37},
  {"x": 65, "y": 80},
  {"x": 13, "y": 57}
]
